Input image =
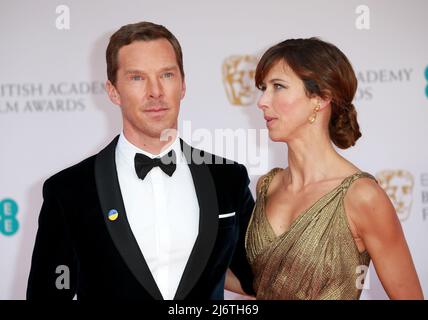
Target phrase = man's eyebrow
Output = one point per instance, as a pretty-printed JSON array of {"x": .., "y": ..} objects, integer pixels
[
  {"x": 138, "y": 71},
  {"x": 169, "y": 68},
  {"x": 133, "y": 71}
]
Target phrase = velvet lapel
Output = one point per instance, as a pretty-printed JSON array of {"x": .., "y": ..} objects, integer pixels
[
  {"x": 208, "y": 222},
  {"x": 111, "y": 199}
]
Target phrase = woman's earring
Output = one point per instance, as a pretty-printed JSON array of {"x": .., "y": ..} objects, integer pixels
[{"x": 314, "y": 114}]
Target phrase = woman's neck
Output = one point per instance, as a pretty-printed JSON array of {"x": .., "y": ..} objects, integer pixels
[{"x": 310, "y": 160}]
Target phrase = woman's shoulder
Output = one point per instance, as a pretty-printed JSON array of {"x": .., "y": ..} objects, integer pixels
[
  {"x": 365, "y": 200},
  {"x": 362, "y": 185},
  {"x": 265, "y": 180},
  {"x": 363, "y": 189}
]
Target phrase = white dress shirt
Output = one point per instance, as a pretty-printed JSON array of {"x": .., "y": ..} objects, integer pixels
[{"x": 163, "y": 213}]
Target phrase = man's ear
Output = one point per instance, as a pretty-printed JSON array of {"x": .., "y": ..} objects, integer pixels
[
  {"x": 183, "y": 90},
  {"x": 113, "y": 93}
]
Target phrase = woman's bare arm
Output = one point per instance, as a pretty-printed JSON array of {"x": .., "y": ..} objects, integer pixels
[{"x": 376, "y": 223}]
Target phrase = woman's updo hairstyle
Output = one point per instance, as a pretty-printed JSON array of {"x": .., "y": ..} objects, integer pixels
[{"x": 325, "y": 72}]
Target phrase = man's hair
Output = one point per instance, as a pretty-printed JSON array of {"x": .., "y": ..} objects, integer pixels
[{"x": 141, "y": 31}]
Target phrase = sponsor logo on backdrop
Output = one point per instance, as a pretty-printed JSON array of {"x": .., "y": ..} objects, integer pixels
[
  {"x": 426, "y": 78},
  {"x": 238, "y": 79},
  {"x": 33, "y": 98},
  {"x": 398, "y": 184},
  {"x": 9, "y": 224},
  {"x": 239, "y": 71},
  {"x": 368, "y": 80}
]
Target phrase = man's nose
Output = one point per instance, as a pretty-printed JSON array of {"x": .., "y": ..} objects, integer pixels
[{"x": 154, "y": 88}]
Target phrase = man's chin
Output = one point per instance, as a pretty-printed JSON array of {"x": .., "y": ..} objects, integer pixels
[{"x": 164, "y": 134}]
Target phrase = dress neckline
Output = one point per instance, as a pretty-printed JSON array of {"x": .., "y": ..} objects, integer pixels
[{"x": 304, "y": 212}]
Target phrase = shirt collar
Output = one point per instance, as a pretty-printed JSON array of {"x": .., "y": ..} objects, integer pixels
[{"x": 128, "y": 150}]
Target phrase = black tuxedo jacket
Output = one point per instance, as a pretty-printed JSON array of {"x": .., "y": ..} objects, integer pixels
[{"x": 103, "y": 257}]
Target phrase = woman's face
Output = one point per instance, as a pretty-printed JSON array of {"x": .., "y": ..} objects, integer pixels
[{"x": 285, "y": 105}]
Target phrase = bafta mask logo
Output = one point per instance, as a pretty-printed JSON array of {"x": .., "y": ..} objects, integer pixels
[
  {"x": 238, "y": 79},
  {"x": 398, "y": 184}
]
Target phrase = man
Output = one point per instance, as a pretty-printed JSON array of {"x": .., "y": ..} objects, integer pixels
[{"x": 144, "y": 218}]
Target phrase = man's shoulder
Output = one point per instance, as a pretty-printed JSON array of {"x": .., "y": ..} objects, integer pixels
[
  {"x": 78, "y": 173},
  {"x": 82, "y": 172},
  {"x": 220, "y": 166}
]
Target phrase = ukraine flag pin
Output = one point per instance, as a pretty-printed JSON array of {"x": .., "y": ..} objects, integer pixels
[{"x": 113, "y": 214}]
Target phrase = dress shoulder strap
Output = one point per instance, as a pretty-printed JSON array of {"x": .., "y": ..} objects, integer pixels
[
  {"x": 265, "y": 180},
  {"x": 348, "y": 181}
]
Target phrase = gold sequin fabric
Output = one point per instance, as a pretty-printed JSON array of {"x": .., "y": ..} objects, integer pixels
[{"x": 316, "y": 258}]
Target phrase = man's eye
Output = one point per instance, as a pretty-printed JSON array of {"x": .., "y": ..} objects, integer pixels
[
  {"x": 168, "y": 75},
  {"x": 136, "y": 78}
]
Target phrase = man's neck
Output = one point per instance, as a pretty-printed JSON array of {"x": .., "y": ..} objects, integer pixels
[{"x": 153, "y": 145}]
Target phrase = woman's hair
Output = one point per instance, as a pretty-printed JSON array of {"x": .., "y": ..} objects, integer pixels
[{"x": 326, "y": 72}]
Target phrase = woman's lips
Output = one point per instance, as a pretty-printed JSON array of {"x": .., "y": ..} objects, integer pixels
[{"x": 269, "y": 120}]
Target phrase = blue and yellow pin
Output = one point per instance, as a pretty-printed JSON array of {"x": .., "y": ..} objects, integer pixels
[{"x": 113, "y": 214}]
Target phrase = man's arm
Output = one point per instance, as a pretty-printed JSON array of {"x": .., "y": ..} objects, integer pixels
[
  {"x": 53, "y": 266},
  {"x": 240, "y": 266}
]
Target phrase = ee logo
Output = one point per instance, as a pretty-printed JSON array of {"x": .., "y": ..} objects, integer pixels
[
  {"x": 8, "y": 222},
  {"x": 426, "y": 78}
]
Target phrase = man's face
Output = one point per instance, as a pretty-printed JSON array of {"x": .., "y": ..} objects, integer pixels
[{"x": 149, "y": 87}]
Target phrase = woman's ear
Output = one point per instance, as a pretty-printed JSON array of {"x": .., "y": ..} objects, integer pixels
[{"x": 320, "y": 102}]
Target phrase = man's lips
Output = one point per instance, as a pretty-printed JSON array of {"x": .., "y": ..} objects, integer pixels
[
  {"x": 156, "y": 112},
  {"x": 155, "y": 109}
]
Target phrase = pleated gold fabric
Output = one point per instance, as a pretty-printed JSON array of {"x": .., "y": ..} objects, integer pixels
[{"x": 316, "y": 258}]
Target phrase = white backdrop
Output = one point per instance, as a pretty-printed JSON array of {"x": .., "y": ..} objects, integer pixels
[{"x": 54, "y": 111}]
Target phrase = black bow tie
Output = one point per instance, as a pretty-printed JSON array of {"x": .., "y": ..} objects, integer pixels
[{"x": 143, "y": 164}]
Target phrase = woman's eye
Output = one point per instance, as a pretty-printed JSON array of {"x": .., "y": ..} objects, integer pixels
[{"x": 278, "y": 86}]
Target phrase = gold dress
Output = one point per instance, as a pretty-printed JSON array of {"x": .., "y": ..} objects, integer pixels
[{"x": 316, "y": 258}]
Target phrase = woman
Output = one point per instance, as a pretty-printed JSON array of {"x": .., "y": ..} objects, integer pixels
[{"x": 318, "y": 223}]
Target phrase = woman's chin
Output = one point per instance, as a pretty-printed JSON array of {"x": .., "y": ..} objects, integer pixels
[{"x": 275, "y": 137}]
